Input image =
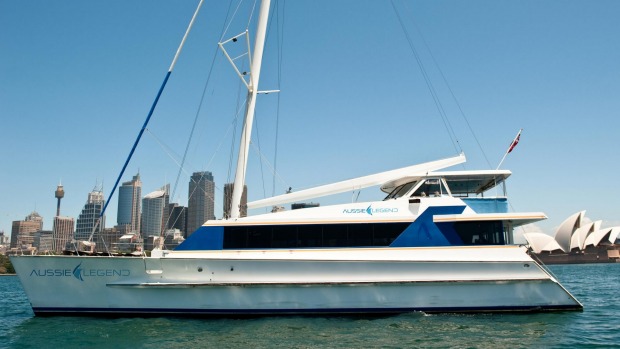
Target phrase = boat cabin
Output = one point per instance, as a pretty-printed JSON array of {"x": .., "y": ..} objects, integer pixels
[{"x": 442, "y": 209}]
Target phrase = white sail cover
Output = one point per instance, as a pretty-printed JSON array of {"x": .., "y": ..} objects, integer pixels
[{"x": 358, "y": 183}]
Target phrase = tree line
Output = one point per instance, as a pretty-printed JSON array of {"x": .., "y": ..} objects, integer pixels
[{"x": 6, "y": 267}]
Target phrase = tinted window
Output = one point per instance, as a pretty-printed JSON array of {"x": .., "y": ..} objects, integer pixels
[
  {"x": 481, "y": 233},
  {"x": 313, "y": 235}
]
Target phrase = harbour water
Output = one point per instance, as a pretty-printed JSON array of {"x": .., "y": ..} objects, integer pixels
[{"x": 597, "y": 286}]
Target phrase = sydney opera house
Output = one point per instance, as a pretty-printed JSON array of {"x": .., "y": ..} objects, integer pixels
[{"x": 577, "y": 240}]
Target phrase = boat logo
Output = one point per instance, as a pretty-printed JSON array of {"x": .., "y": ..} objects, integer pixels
[
  {"x": 77, "y": 272},
  {"x": 369, "y": 210},
  {"x": 80, "y": 273}
]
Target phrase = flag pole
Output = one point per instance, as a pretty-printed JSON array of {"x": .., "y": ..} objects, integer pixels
[{"x": 510, "y": 148}]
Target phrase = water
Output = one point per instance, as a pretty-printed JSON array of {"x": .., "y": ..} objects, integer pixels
[{"x": 598, "y": 326}]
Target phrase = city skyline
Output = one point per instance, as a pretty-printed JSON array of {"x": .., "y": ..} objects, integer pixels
[{"x": 154, "y": 211}]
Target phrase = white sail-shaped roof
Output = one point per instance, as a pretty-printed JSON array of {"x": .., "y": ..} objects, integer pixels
[
  {"x": 597, "y": 226},
  {"x": 598, "y": 236},
  {"x": 613, "y": 236},
  {"x": 357, "y": 183},
  {"x": 565, "y": 231},
  {"x": 579, "y": 236},
  {"x": 540, "y": 242}
]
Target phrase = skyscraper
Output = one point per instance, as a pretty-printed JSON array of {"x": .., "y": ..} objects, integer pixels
[
  {"x": 62, "y": 232},
  {"x": 228, "y": 190},
  {"x": 178, "y": 217},
  {"x": 129, "y": 199},
  {"x": 90, "y": 214},
  {"x": 155, "y": 212},
  {"x": 22, "y": 232},
  {"x": 200, "y": 204}
]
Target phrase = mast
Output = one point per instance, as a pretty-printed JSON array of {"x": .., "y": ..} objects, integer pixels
[{"x": 244, "y": 146}]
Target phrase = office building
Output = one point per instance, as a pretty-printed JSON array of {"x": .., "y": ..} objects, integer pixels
[
  {"x": 87, "y": 220},
  {"x": 155, "y": 212},
  {"x": 62, "y": 232},
  {"x": 178, "y": 217},
  {"x": 201, "y": 206},
  {"x": 129, "y": 202},
  {"x": 22, "y": 232},
  {"x": 44, "y": 241},
  {"x": 4, "y": 240}
]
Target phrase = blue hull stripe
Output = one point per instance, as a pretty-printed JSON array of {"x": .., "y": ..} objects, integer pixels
[{"x": 331, "y": 311}]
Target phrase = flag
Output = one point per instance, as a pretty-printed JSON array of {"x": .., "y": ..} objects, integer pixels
[{"x": 514, "y": 142}]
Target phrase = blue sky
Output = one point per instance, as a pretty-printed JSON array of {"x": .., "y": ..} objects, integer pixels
[{"x": 77, "y": 79}]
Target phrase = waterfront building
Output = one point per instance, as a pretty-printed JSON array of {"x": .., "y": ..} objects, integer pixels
[
  {"x": 200, "y": 206},
  {"x": 178, "y": 217},
  {"x": 577, "y": 240},
  {"x": 129, "y": 200},
  {"x": 22, "y": 232},
  {"x": 173, "y": 238},
  {"x": 62, "y": 232},
  {"x": 107, "y": 238},
  {"x": 228, "y": 190},
  {"x": 155, "y": 212},
  {"x": 44, "y": 241},
  {"x": 4, "y": 240},
  {"x": 90, "y": 214}
]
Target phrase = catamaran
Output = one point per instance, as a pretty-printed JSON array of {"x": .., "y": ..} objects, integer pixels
[{"x": 435, "y": 243}]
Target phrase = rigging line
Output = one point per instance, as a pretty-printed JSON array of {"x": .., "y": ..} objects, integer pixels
[
  {"x": 251, "y": 15},
  {"x": 280, "y": 43},
  {"x": 429, "y": 84},
  {"x": 235, "y": 121},
  {"x": 148, "y": 118},
  {"x": 445, "y": 80},
  {"x": 202, "y": 98},
  {"x": 217, "y": 148},
  {"x": 271, "y": 167},
  {"x": 169, "y": 151},
  {"x": 231, "y": 19},
  {"x": 262, "y": 172}
]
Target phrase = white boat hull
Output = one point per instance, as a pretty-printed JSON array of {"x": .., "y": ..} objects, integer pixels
[{"x": 292, "y": 282}]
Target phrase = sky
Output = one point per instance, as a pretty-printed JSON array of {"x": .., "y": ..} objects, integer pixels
[{"x": 77, "y": 79}]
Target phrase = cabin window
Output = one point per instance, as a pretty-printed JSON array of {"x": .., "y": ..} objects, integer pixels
[
  {"x": 313, "y": 235},
  {"x": 309, "y": 235},
  {"x": 335, "y": 235},
  {"x": 481, "y": 233},
  {"x": 400, "y": 190},
  {"x": 282, "y": 237},
  {"x": 431, "y": 187}
]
